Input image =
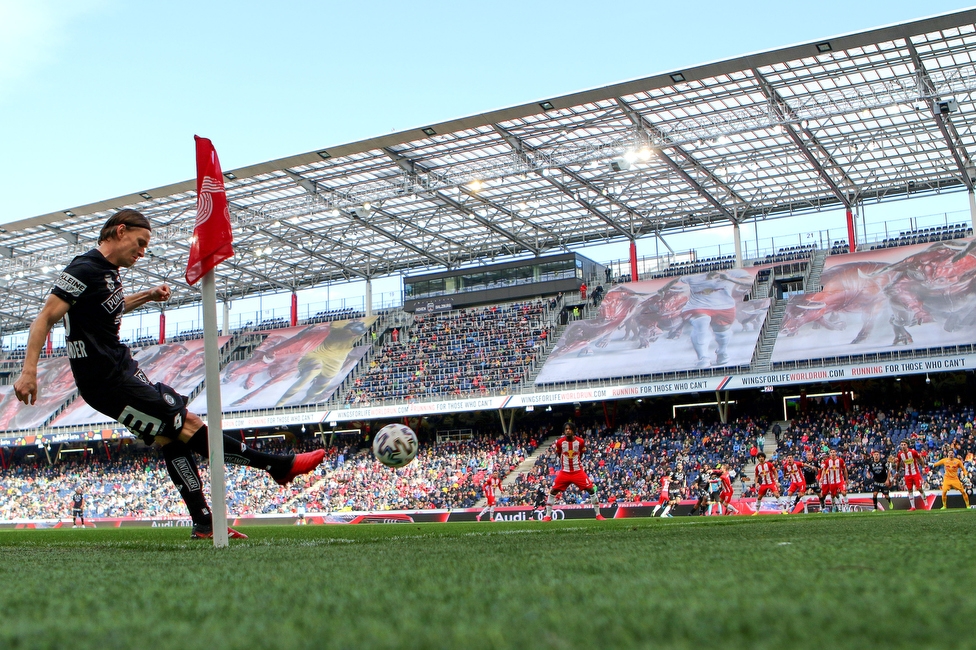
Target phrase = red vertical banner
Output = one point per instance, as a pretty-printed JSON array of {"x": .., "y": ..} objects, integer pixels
[
  {"x": 850, "y": 230},
  {"x": 213, "y": 237},
  {"x": 162, "y": 327},
  {"x": 634, "y": 276},
  {"x": 294, "y": 309}
]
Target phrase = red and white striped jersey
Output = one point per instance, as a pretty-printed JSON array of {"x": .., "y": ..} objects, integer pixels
[
  {"x": 665, "y": 484},
  {"x": 569, "y": 453},
  {"x": 492, "y": 485},
  {"x": 912, "y": 461},
  {"x": 792, "y": 471},
  {"x": 765, "y": 473},
  {"x": 832, "y": 471}
]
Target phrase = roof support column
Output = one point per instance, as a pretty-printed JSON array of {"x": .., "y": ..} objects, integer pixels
[
  {"x": 737, "y": 238},
  {"x": 851, "y": 241},
  {"x": 225, "y": 330},
  {"x": 162, "y": 326},
  {"x": 294, "y": 308},
  {"x": 634, "y": 276},
  {"x": 972, "y": 209},
  {"x": 368, "y": 307}
]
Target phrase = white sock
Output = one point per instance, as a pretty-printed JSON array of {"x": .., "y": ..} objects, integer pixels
[
  {"x": 549, "y": 501},
  {"x": 595, "y": 500},
  {"x": 666, "y": 510}
]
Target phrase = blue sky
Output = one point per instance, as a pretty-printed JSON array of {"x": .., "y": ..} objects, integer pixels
[{"x": 100, "y": 98}]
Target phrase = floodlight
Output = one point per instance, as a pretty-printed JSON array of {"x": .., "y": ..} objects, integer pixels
[
  {"x": 429, "y": 130},
  {"x": 145, "y": 195},
  {"x": 644, "y": 154},
  {"x": 546, "y": 106},
  {"x": 824, "y": 47},
  {"x": 69, "y": 213},
  {"x": 230, "y": 176},
  {"x": 630, "y": 156},
  {"x": 677, "y": 77},
  {"x": 324, "y": 155}
]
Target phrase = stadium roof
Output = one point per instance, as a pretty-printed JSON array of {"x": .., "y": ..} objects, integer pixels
[{"x": 864, "y": 116}]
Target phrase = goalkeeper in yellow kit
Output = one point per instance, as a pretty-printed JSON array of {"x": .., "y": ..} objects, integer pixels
[{"x": 951, "y": 481}]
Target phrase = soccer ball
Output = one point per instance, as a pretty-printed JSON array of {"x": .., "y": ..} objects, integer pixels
[{"x": 395, "y": 445}]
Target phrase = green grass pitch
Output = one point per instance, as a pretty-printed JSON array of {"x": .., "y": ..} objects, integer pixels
[{"x": 828, "y": 581}]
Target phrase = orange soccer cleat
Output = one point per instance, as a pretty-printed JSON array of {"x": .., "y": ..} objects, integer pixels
[{"x": 302, "y": 464}]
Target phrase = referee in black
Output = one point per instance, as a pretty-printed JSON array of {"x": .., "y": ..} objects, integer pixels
[
  {"x": 88, "y": 296},
  {"x": 77, "y": 508}
]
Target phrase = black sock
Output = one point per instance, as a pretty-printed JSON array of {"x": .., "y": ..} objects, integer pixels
[
  {"x": 875, "y": 501},
  {"x": 183, "y": 471},
  {"x": 237, "y": 453}
]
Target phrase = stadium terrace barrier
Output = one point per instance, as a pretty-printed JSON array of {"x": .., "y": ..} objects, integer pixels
[{"x": 858, "y": 502}]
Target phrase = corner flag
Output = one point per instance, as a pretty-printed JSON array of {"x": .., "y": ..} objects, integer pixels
[
  {"x": 212, "y": 235},
  {"x": 212, "y": 244}
]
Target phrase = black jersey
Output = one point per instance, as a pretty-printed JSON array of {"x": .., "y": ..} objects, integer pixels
[
  {"x": 92, "y": 286},
  {"x": 879, "y": 471},
  {"x": 76, "y": 501},
  {"x": 810, "y": 475}
]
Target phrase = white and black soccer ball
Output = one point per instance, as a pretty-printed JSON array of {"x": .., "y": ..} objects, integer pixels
[{"x": 395, "y": 445}]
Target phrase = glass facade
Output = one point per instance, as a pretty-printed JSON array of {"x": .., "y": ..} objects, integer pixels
[{"x": 480, "y": 279}]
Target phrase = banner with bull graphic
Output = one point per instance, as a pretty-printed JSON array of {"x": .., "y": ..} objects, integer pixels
[
  {"x": 911, "y": 297},
  {"x": 663, "y": 325}
]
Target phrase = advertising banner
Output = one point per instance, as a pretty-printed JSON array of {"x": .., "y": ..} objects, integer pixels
[
  {"x": 911, "y": 297},
  {"x": 664, "y": 325},
  {"x": 56, "y": 384},
  {"x": 291, "y": 367}
]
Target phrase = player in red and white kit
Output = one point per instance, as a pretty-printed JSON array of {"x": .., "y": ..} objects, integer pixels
[
  {"x": 570, "y": 449},
  {"x": 725, "y": 496},
  {"x": 793, "y": 471},
  {"x": 833, "y": 481},
  {"x": 490, "y": 487},
  {"x": 666, "y": 497},
  {"x": 766, "y": 476},
  {"x": 911, "y": 461}
]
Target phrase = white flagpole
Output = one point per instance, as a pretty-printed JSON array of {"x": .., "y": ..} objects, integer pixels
[{"x": 218, "y": 487}]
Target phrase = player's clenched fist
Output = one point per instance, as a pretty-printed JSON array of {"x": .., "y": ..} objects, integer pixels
[
  {"x": 160, "y": 293},
  {"x": 26, "y": 388}
]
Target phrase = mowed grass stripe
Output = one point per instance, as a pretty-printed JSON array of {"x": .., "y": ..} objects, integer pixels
[{"x": 852, "y": 580}]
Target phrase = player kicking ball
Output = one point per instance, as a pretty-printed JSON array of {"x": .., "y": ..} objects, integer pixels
[
  {"x": 569, "y": 450},
  {"x": 89, "y": 297}
]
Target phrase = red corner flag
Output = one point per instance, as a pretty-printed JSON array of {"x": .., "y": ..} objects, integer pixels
[{"x": 212, "y": 235}]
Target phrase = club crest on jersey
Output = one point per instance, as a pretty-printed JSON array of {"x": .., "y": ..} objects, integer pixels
[
  {"x": 70, "y": 284},
  {"x": 169, "y": 399}
]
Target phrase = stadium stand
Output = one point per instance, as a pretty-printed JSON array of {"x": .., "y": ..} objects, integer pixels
[
  {"x": 788, "y": 254},
  {"x": 926, "y": 235},
  {"x": 457, "y": 353},
  {"x": 690, "y": 268},
  {"x": 444, "y": 475}
]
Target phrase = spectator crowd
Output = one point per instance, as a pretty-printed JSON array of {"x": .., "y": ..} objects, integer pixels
[{"x": 453, "y": 354}]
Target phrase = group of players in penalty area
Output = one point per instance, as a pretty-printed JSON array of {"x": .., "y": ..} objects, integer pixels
[
  {"x": 808, "y": 478},
  {"x": 828, "y": 478}
]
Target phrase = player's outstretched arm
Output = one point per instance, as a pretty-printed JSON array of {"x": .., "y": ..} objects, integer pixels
[
  {"x": 161, "y": 293},
  {"x": 53, "y": 310}
]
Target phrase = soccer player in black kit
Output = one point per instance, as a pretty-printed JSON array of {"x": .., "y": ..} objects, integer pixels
[
  {"x": 77, "y": 508},
  {"x": 88, "y": 295},
  {"x": 877, "y": 471}
]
